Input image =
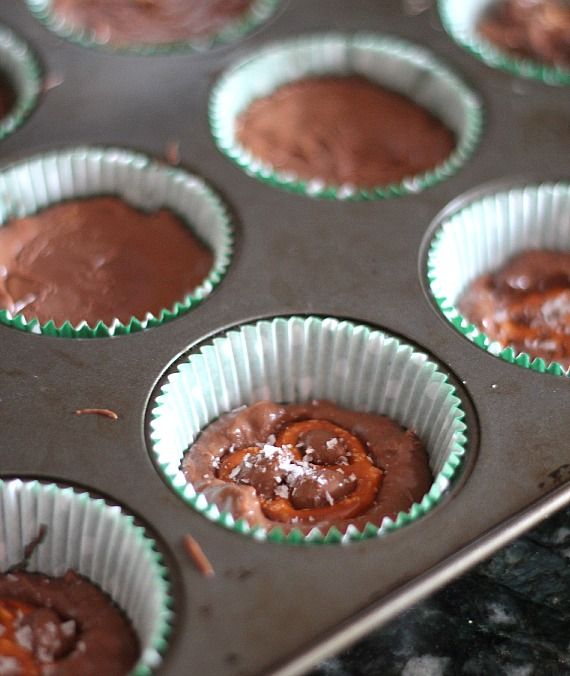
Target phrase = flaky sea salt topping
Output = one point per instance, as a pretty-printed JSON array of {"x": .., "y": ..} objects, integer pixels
[{"x": 277, "y": 472}]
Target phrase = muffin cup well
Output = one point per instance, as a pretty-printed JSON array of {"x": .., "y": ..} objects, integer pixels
[
  {"x": 482, "y": 235},
  {"x": 461, "y": 19},
  {"x": 39, "y": 182},
  {"x": 98, "y": 541},
  {"x": 392, "y": 63},
  {"x": 294, "y": 360},
  {"x": 259, "y": 12},
  {"x": 19, "y": 65}
]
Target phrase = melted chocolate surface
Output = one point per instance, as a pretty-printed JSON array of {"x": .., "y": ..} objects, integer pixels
[
  {"x": 124, "y": 22},
  {"x": 343, "y": 130},
  {"x": 62, "y": 627},
  {"x": 397, "y": 452},
  {"x": 525, "y": 304},
  {"x": 96, "y": 260},
  {"x": 535, "y": 29}
]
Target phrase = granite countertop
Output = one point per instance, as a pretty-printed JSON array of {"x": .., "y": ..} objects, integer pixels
[{"x": 509, "y": 616}]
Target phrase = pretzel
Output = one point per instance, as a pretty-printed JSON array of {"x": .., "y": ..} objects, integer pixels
[
  {"x": 530, "y": 325},
  {"x": 358, "y": 466}
]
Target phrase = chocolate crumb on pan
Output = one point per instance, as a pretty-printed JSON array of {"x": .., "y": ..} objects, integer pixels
[
  {"x": 52, "y": 82},
  {"x": 197, "y": 556},
  {"x": 172, "y": 153},
  {"x": 107, "y": 412}
]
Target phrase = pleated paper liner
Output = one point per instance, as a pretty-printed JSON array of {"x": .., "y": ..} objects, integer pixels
[
  {"x": 389, "y": 62},
  {"x": 98, "y": 541},
  {"x": 482, "y": 235},
  {"x": 252, "y": 18},
  {"x": 297, "y": 359},
  {"x": 44, "y": 180},
  {"x": 461, "y": 19},
  {"x": 22, "y": 71}
]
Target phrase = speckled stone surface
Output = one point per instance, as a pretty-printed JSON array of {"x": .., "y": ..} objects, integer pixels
[{"x": 510, "y": 616}]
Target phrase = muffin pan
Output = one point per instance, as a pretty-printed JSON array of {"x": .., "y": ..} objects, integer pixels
[{"x": 272, "y": 607}]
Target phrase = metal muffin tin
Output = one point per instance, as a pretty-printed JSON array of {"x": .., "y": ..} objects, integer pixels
[{"x": 278, "y": 609}]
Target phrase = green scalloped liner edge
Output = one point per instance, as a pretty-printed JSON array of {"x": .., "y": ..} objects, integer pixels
[
  {"x": 494, "y": 57},
  {"x": 135, "y": 325},
  {"x": 101, "y": 330},
  {"x": 408, "y": 186},
  {"x": 472, "y": 333},
  {"x": 437, "y": 491},
  {"x": 25, "y": 101},
  {"x": 164, "y": 628},
  {"x": 255, "y": 16}
]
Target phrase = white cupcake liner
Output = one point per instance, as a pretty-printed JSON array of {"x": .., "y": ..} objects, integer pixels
[
  {"x": 97, "y": 541},
  {"x": 461, "y": 20},
  {"x": 392, "y": 63},
  {"x": 22, "y": 70},
  {"x": 259, "y": 12},
  {"x": 484, "y": 234},
  {"x": 44, "y": 180},
  {"x": 297, "y": 359}
]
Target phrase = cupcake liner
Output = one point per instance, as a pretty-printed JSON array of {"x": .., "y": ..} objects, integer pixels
[
  {"x": 392, "y": 63},
  {"x": 22, "y": 70},
  {"x": 97, "y": 541},
  {"x": 460, "y": 20},
  {"x": 44, "y": 180},
  {"x": 297, "y": 359},
  {"x": 259, "y": 12},
  {"x": 481, "y": 236}
]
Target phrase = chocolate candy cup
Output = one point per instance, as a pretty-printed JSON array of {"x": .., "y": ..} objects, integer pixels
[
  {"x": 391, "y": 63},
  {"x": 294, "y": 360},
  {"x": 461, "y": 19},
  {"x": 481, "y": 233},
  {"x": 22, "y": 71},
  {"x": 98, "y": 541},
  {"x": 259, "y": 12},
  {"x": 30, "y": 185}
]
